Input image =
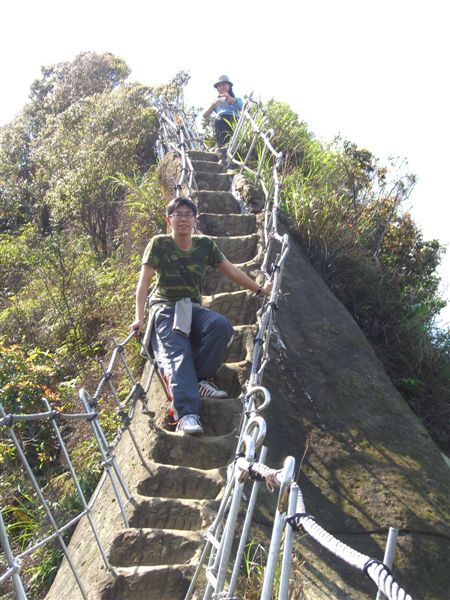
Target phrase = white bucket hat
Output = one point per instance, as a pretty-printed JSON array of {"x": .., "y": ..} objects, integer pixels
[{"x": 223, "y": 79}]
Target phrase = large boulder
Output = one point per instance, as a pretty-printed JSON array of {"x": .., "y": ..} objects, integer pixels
[
  {"x": 251, "y": 193},
  {"x": 365, "y": 461},
  {"x": 169, "y": 172}
]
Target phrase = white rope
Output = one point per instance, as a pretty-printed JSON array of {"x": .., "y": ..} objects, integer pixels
[
  {"x": 260, "y": 471},
  {"x": 376, "y": 570}
]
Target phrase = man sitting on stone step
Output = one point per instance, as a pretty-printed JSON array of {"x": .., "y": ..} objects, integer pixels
[{"x": 189, "y": 341}]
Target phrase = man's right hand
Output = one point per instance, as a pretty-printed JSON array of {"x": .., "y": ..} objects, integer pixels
[{"x": 137, "y": 326}]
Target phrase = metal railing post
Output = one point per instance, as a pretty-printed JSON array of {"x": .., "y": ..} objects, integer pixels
[
  {"x": 246, "y": 527},
  {"x": 388, "y": 559},
  {"x": 86, "y": 508},
  {"x": 287, "y": 548},
  {"x": 278, "y": 526},
  {"x": 17, "y": 580},
  {"x": 216, "y": 582},
  {"x": 108, "y": 458},
  {"x": 45, "y": 505}
]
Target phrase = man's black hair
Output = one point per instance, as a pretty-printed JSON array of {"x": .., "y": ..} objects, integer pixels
[{"x": 181, "y": 201}]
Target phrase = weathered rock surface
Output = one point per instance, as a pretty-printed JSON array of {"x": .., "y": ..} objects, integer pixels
[
  {"x": 365, "y": 462},
  {"x": 251, "y": 193},
  {"x": 169, "y": 173}
]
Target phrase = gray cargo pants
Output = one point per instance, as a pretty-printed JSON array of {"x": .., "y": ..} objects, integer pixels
[{"x": 186, "y": 360}]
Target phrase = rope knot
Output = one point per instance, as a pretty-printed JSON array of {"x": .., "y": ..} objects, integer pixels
[
  {"x": 125, "y": 417},
  {"x": 7, "y": 421},
  {"x": 292, "y": 520},
  {"x": 374, "y": 561},
  {"x": 254, "y": 474},
  {"x": 55, "y": 416},
  {"x": 239, "y": 455}
]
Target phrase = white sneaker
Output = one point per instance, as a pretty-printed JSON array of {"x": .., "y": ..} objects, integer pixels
[
  {"x": 190, "y": 424},
  {"x": 208, "y": 389}
]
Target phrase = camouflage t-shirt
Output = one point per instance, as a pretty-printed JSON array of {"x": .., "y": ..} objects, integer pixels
[{"x": 179, "y": 272}]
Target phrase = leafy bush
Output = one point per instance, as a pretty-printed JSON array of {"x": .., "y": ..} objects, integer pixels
[
  {"x": 80, "y": 149},
  {"x": 15, "y": 251},
  {"x": 78, "y": 203},
  {"x": 25, "y": 378}
]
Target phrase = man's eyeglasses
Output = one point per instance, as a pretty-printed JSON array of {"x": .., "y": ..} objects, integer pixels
[{"x": 179, "y": 215}]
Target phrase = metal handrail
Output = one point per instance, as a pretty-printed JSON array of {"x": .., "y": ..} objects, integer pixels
[{"x": 55, "y": 418}]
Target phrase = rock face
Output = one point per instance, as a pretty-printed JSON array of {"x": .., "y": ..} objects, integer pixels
[
  {"x": 169, "y": 173},
  {"x": 251, "y": 193},
  {"x": 364, "y": 461},
  {"x": 367, "y": 461}
]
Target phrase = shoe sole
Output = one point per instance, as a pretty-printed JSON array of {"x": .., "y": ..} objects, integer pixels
[{"x": 198, "y": 432}]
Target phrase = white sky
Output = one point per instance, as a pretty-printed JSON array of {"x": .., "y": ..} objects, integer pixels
[{"x": 376, "y": 72}]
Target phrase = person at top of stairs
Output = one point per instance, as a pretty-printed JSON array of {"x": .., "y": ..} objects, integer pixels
[
  {"x": 188, "y": 341},
  {"x": 226, "y": 108}
]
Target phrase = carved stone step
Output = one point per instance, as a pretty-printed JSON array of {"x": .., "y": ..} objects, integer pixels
[
  {"x": 240, "y": 307},
  {"x": 216, "y": 283},
  {"x": 199, "y": 155},
  {"x": 240, "y": 248},
  {"x": 216, "y": 202},
  {"x": 168, "y": 582},
  {"x": 242, "y": 345},
  {"x": 220, "y": 416},
  {"x": 171, "y": 513},
  {"x": 241, "y": 371},
  {"x": 218, "y": 182},
  {"x": 230, "y": 377},
  {"x": 202, "y": 452},
  {"x": 168, "y": 481},
  {"x": 149, "y": 547},
  {"x": 218, "y": 224},
  {"x": 207, "y": 166}
]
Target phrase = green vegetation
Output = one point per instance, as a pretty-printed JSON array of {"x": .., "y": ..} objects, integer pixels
[
  {"x": 79, "y": 198},
  {"x": 254, "y": 559},
  {"x": 78, "y": 202}
]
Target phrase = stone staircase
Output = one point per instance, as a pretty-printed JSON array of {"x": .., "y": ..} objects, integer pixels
[
  {"x": 180, "y": 493},
  {"x": 367, "y": 463}
]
